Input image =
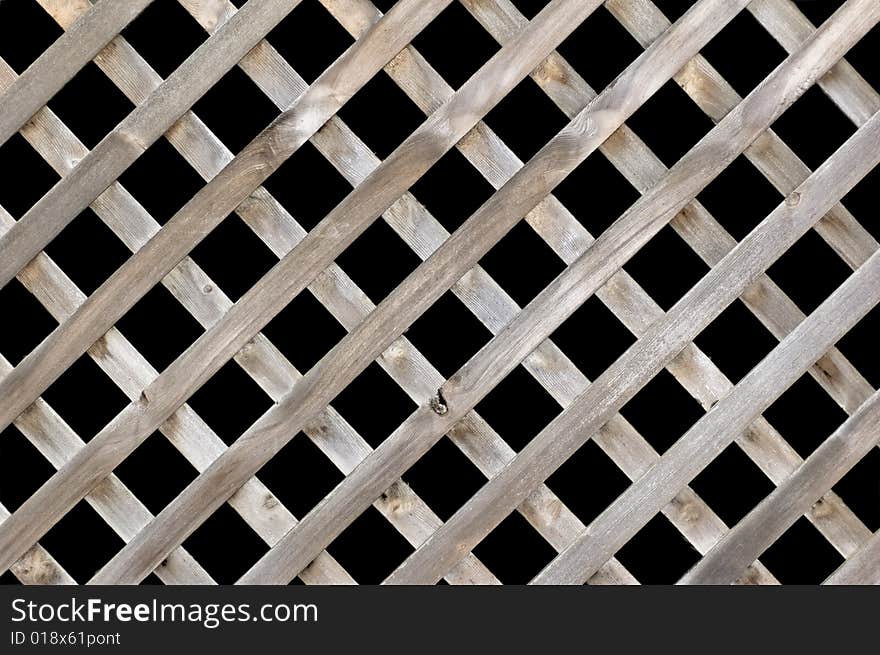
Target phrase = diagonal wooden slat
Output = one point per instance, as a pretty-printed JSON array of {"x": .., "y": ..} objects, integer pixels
[
  {"x": 376, "y": 332},
  {"x": 756, "y": 391},
  {"x": 520, "y": 337},
  {"x": 37, "y": 566},
  {"x": 560, "y": 12},
  {"x": 776, "y": 513},
  {"x": 131, "y": 372},
  {"x": 663, "y": 340},
  {"x": 131, "y": 138},
  {"x": 62, "y": 60},
  {"x": 861, "y": 568},
  {"x": 339, "y": 442}
]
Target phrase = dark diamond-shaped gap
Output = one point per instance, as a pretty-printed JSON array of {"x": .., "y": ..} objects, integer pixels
[
  {"x": 596, "y": 193},
  {"x": 732, "y": 485},
  {"x": 31, "y": 325},
  {"x": 370, "y": 548},
  {"x": 658, "y": 553},
  {"x": 518, "y": 408},
  {"x": 299, "y": 475},
  {"x": 818, "y": 11},
  {"x": 797, "y": 127},
  {"x": 378, "y": 260},
  {"x": 530, "y": 8},
  {"x": 381, "y": 115},
  {"x": 88, "y": 251},
  {"x": 448, "y": 334},
  {"x": 522, "y": 263},
  {"x": 310, "y": 39},
  {"x": 588, "y": 482},
  {"x": 670, "y": 123},
  {"x": 863, "y": 56},
  {"x": 861, "y": 201},
  {"x": 151, "y": 580},
  {"x": 859, "y": 345},
  {"x": 82, "y": 542},
  {"x": 90, "y": 105},
  {"x": 85, "y": 397},
  {"x": 545, "y": 119},
  {"x": 304, "y": 331},
  {"x": 23, "y": 469},
  {"x": 233, "y": 241},
  {"x": 9, "y": 579},
  {"x": 738, "y": 211},
  {"x": 474, "y": 46},
  {"x": 162, "y": 167},
  {"x": 801, "y": 555},
  {"x": 662, "y": 411},
  {"x": 295, "y": 182},
  {"x": 139, "y": 472},
  {"x": 809, "y": 271},
  {"x": 374, "y": 404},
  {"x": 444, "y": 478},
  {"x": 736, "y": 341},
  {"x": 452, "y": 190},
  {"x": 230, "y": 402},
  {"x": 805, "y": 415},
  {"x": 160, "y": 346},
  {"x": 674, "y": 9},
  {"x": 26, "y": 31},
  {"x": 225, "y": 545},
  {"x": 27, "y": 176},
  {"x": 752, "y": 64},
  {"x": 235, "y": 109},
  {"x": 591, "y": 324},
  {"x": 181, "y": 35},
  {"x": 600, "y": 49},
  {"x": 666, "y": 267},
  {"x": 514, "y": 551},
  {"x": 860, "y": 489}
]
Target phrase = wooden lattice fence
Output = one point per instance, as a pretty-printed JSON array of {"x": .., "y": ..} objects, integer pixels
[{"x": 375, "y": 333}]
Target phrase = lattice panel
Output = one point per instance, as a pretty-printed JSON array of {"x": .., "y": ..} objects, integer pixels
[{"x": 530, "y": 289}]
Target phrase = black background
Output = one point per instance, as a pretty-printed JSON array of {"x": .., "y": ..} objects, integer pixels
[{"x": 448, "y": 335}]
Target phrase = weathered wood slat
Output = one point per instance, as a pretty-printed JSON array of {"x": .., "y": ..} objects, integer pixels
[
  {"x": 37, "y": 566},
  {"x": 519, "y": 335},
  {"x": 131, "y": 138},
  {"x": 212, "y": 204},
  {"x": 662, "y": 341},
  {"x": 62, "y": 60},
  {"x": 278, "y": 229},
  {"x": 461, "y": 251},
  {"x": 424, "y": 427},
  {"x": 260, "y": 509},
  {"x": 698, "y": 228},
  {"x": 707, "y": 438},
  {"x": 352, "y": 216},
  {"x": 127, "y": 368},
  {"x": 861, "y": 568},
  {"x": 776, "y": 513},
  {"x": 132, "y": 279}
]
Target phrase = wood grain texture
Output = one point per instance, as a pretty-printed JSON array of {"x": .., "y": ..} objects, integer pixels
[
  {"x": 861, "y": 568},
  {"x": 791, "y": 499},
  {"x": 131, "y": 138},
  {"x": 264, "y": 363},
  {"x": 565, "y": 294},
  {"x": 524, "y": 190},
  {"x": 520, "y": 336},
  {"x": 193, "y": 222},
  {"x": 712, "y": 433},
  {"x": 427, "y": 144},
  {"x": 62, "y": 60}
]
